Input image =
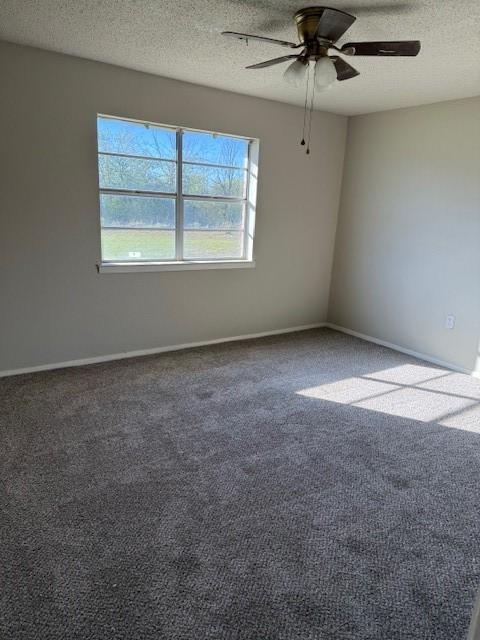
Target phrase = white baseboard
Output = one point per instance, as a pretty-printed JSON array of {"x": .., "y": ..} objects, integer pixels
[
  {"x": 409, "y": 352},
  {"x": 203, "y": 343},
  {"x": 147, "y": 352}
]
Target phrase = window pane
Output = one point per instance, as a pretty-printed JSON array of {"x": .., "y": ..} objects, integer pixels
[
  {"x": 135, "y": 139},
  {"x": 204, "y": 244},
  {"x": 214, "y": 149},
  {"x": 137, "y": 211},
  {"x": 133, "y": 173},
  {"x": 213, "y": 181},
  {"x": 137, "y": 228},
  {"x": 212, "y": 215},
  {"x": 137, "y": 244}
]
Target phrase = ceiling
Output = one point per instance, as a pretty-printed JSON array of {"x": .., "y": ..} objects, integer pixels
[{"x": 182, "y": 39}]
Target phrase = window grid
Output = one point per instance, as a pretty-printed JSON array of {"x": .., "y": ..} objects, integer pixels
[
  {"x": 179, "y": 203},
  {"x": 180, "y": 197}
]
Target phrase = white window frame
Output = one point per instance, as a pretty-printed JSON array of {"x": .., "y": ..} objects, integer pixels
[{"x": 179, "y": 262}]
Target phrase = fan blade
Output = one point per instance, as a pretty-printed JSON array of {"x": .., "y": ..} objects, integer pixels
[
  {"x": 269, "y": 63},
  {"x": 247, "y": 36},
  {"x": 333, "y": 24},
  {"x": 400, "y": 48},
  {"x": 345, "y": 71}
]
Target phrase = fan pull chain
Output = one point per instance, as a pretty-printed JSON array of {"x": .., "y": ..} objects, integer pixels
[
  {"x": 305, "y": 108},
  {"x": 310, "y": 118}
]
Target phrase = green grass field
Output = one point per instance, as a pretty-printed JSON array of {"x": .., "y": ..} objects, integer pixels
[{"x": 159, "y": 244}]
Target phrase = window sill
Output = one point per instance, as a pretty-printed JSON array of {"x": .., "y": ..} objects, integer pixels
[{"x": 185, "y": 265}]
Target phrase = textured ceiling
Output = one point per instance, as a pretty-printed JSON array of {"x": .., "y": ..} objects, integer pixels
[{"x": 181, "y": 39}]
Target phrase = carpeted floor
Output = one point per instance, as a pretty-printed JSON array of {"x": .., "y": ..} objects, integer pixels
[{"x": 303, "y": 487}]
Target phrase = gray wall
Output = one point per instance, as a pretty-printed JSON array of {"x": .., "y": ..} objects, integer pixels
[
  {"x": 408, "y": 240},
  {"x": 54, "y": 305}
]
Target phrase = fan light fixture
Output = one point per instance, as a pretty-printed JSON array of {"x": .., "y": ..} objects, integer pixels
[
  {"x": 325, "y": 73},
  {"x": 295, "y": 72}
]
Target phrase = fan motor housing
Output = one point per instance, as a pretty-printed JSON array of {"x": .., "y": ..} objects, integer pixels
[{"x": 307, "y": 21}]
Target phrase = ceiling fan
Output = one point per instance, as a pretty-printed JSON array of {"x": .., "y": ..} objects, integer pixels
[{"x": 319, "y": 28}]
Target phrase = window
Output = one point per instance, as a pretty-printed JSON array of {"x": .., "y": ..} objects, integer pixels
[{"x": 174, "y": 197}]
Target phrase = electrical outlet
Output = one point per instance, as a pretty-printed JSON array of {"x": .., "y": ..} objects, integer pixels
[{"x": 450, "y": 322}]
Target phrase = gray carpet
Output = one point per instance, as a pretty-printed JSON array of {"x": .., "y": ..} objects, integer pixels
[{"x": 309, "y": 486}]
